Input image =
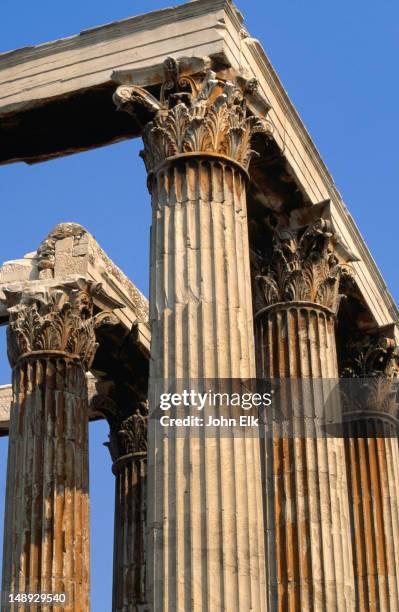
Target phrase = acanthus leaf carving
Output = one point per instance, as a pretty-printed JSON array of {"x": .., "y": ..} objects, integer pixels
[
  {"x": 196, "y": 114},
  {"x": 373, "y": 359},
  {"x": 301, "y": 267},
  {"x": 371, "y": 355},
  {"x": 132, "y": 434},
  {"x": 128, "y": 429},
  {"x": 127, "y": 419},
  {"x": 54, "y": 318}
]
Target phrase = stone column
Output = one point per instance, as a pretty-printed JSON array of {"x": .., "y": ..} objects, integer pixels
[
  {"x": 306, "y": 498},
  {"x": 372, "y": 430},
  {"x": 205, "y": 524},
  {"x": 51, "y": 344},
  {"x": 128, "y": 448}
]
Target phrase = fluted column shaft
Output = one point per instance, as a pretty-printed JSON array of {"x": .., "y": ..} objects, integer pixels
[
  {"x": 51, "y": 344},
  {"x": 306, "y": 498},
  {"x": 128, "y": 447},
  {"x": 201, "y": 304},
  {"x": 205, "y": 522},
  {"x": 373, "y": 479},
  {"x": 46, "y": 536},
  {"x": 371, "y": 444},
  {"x": 205, "y": 525},
  {"x": 130, "y": 516}
]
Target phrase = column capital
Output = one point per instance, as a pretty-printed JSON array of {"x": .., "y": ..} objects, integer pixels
[
  {"x": 373, "y": 358},
  {"x": 372, "y": 354},
  {"x": 199, "y": 114},
  {"x": 301, "y": 265},
  {"x": 128, "y": 428},
  {"x": 128, "y": 437},
  {"x": 53, "y": 318}
]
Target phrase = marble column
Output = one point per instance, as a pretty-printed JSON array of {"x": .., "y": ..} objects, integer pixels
[
  {"x": 205, "y": 524},
  {"x": 51, "y": 344},
  {"x": 128, "y": 448},
  {"x": 306, "y": 499},
  {"x": 372, "y": 430}
]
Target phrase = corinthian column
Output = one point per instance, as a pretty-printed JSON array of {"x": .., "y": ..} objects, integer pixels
[
  {"x": 51, "y": 344},
  {"x": 306, "y": 497},
  {"x": 372, "y": 430},
  {"x": 205, "y": 525},
  {"x": 128, "y": 448}
]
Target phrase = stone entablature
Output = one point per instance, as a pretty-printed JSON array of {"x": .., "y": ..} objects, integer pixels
[
  {"x": 69, "y": 251},
  {"x": 85, "y": 56}
]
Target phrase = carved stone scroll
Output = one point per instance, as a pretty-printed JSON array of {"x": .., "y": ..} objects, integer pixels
[
  {"x": 56, "y": 319},
  {"x": 197, "y": 115}
]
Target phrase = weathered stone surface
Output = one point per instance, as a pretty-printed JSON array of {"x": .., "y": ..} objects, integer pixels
[
  {"x": 42, "y": 304},
  {"x": 69, "y": 251},
  {"x": 87, "y": 60},
  {"x": 302, "y": 267},
  {"x": 51, "y": 343},
  {"x": 46, "y": 538},
  {"x": 5, "y": 403},
  {"x": 129, "y": 540},
  {"x": 128, "y": 448},
  {"x": 203, "y": 115},
  {"x": 6, "y": 400},
  {"x": 37, "y": 297},
  {"x": 306, "y": 498},
  {"x": 53, "y": 318},
  {"x": 201, "y": 321},
  {"x": 372, "y": 453}
]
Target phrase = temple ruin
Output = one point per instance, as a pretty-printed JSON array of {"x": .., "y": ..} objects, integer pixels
[{"x": 257, "y": 271}]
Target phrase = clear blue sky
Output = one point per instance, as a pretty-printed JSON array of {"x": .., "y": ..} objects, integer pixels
[{"x": 338, "y": 61}]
